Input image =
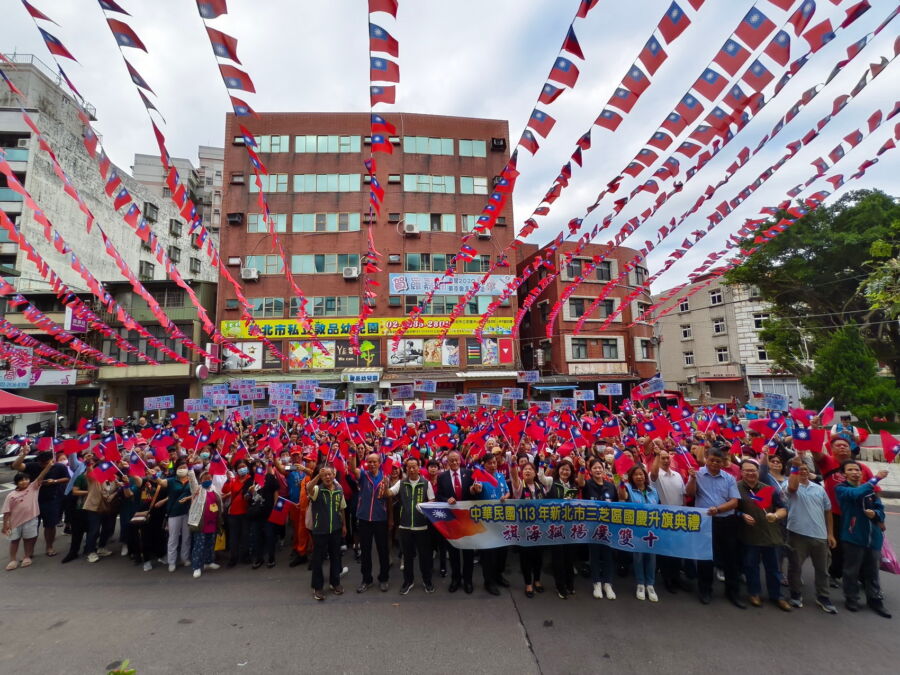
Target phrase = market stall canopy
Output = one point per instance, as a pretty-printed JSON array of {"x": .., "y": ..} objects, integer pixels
[{"x": 10, "y": 404}]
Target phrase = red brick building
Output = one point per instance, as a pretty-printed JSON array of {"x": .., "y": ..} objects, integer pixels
[
  {"x": 618, "y": 354},
  {"x": 437, "y": 181}
]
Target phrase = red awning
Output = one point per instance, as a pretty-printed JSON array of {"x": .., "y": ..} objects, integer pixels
[
  {"x": 719, "y": 379},
  {"x": 10, "y": 404}
]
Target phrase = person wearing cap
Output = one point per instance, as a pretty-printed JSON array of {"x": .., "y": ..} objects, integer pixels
[{"x": 51, "y": 493}]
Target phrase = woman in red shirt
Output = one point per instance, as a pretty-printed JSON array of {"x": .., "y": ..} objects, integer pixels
[{"x": 237, "y": 513}]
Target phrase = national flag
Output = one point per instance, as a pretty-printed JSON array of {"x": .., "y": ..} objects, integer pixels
[
  {"x": 529, "y": 142},
  {"x": 224, "y": 46},
  {"x": 608, "y": 119},
  {"x": 55, "y": 46},
  {"x": 731, "y": 57},
  {"x": 136, "y": 78},
  {"x": 380, "y": 124},
  {"x": 622, "y": 462},
  {"x": 836, "y": 154},
  {"x": 754, "y": 28},
  {"x": 570, "y": 44},
  {"x": 636, "y": 81},
  {"x": 819, "y": 35},
  {"x": 652, "y": 55},
  {"x": 122, "y": 198},
  {"x": 549, "y": 93},
  {"x": 779, "y": 49},
  {"x": 124, "y": 35},
  {"x": 564, "y": 72},
  {"x": 259, "y": 475},
  {"x": 809, "y": 439},
  {"x": 388, "y": 6},
  {"x": 217, "y": 465},
  {"x": 757, "y": 76},
  {"x": 610, "y": 427},
  {"x": 710, "y": 84},
  {"x": 646, "y": 157},
  {"x": 820, "y": 164},
  {"x": 854, "y": 138},
  {"x": 210, "y": 9},
  {"x": 856, "y": 11},
  {"x": 890, "y": 445},
  {"x": 383, "y": 70},
  {"x": 36, "y": 13},
  {"x": 136, "y": 466},
  {"x": 381, "y": 41},
  {"x": 633, "y": 169},
  {"x": 541, "y": 122},
  {"x": 767, "y": 427},
  {"x": 801, "y": 18},
  {"x": 688, "y": 149},
  {"x": 241, "y": 108},
  {"x": 660, "y": 140},
  {"x": 280, "y": 510},
  {"x": 827, "y": 413},
  {"x": 584, "y": 7},
  {"x": 482, "y": 476},
  {"x": 762, "y": 496},
  {"x": 235, "y": 78},
  {"x": 673, "y": 23},
  {"x": 624, "y": 99},
  {"x": 689, "y": 108},
  {"x": 874, "y": 121},
  {"x": 674, "y": 123},
  {"x": 104, "y": 471},
  {"x": 382, "y": 94}
]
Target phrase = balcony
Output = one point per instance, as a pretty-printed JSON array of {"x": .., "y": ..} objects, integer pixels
[
  {"x": 9, "y": 195},
  {"x": 16, "y": 155},
  {"x": 166, "y": 371},
  {"x": 599, "y": 368},
  {"x": 719, "y": 372}
]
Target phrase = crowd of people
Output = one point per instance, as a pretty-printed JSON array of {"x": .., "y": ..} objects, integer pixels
[{"x": 204, "y": 494}]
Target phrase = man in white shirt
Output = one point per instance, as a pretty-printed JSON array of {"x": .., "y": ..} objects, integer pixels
[{"x": 669, "y": 486}]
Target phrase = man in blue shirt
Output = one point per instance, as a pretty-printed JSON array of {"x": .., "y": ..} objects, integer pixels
[
  {"x": 493, "y": 560},
  {"x": 371, "y": 514},
  {"x": 717, "y": 492}
]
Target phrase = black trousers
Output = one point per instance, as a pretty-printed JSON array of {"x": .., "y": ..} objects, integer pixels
[
  {"x": 563, "y": 560},
  {"x": 462, "y": 562},
  {"x": 531, "y": 559},
  {"x": 238, "y": 539},
  {"x": 439, "y": 544},
  {"x": 669, "y": 568},
  {"x": 377, "y": 530},
  {"x": 413, "y": 543},
  {"x": 836, "y": 566},
  {"x": 861, "y": 567},
  {"x": 329, "y": 544},
  {"x": 79, "y": 529},
  {"x": 726, "y": 553}
]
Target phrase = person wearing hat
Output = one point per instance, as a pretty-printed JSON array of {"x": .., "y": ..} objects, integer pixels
[{"x": 50, "y": 495}]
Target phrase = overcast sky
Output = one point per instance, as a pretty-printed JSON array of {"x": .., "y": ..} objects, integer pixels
[{"x": 479, "y": 58}]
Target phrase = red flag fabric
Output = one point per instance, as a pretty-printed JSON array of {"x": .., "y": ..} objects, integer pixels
[
  {"x": 754, "y": 28},
  {"x": 710, "y": 84},
  {"x": 383, "y": 70},
  {"x": 235, "y": 78},
  {"x": 124, "y": 35},
  {"x": 608, "y": 119},
  {"x": 570, "y": 44},
  {"x": 652, "y": 55},
  {"x": 389, "y": 6},
  {"x": 564, "y": 72},
  {"x": 636, "y": 81},
  {"x": 224, "y": 46},
  {"x": 382, "y": 94},
  {"x": 55, "y": 46},
  {"x": 763, "y": 495},
  {"x": 779, "y": 49},
  {"x": 279, "y": 513},
  {"x": 482, "y": 476},
  {"x": 36, "y": 13},
  {"x": 801, "y": 18},
  {"x": 731, "y": 57},
  {"x": 758, "y": 76},
  {"x": 819, "y": 35},
  {"x": 624, "y": 99},
  {"x": 382, "y": 41},
  {"x": 585, "y": 7},
  {"x": 890, "y": 446},
  {"x": 103, "y": 472},
  {"x": 674, "y": 23},
  {"x": 210, "y": 9},
  {"x": 812, "y": 440}
]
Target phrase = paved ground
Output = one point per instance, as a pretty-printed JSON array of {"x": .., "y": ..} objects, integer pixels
[{"x": 81, "y": 618}]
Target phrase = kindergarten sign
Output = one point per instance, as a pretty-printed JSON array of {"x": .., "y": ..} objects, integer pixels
[{"x": 680, "y": 532}]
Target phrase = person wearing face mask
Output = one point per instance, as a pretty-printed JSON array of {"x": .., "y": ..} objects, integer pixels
[
  {"x": 237, "y": 514},
  {"x": 204, "y": 518},
  {"x": 177, "y": 506},
  {"x": 147, "y": 538}
]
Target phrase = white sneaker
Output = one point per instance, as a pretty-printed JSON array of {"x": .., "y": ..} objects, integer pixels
[
  {"x": 93, "y": 557},
  {"x": 608, "y": 591},
  {"x": 720, "y": 574},
  {"x": 171, "y": 568},
  {"x": 148, "y": 566},
  {"x": 598, "y": 590},
  {"x": 343, "y": 547},
  {"x": 345, "y": 571},
  {"x": 213, "y": 566},
  {"x": 197, "y": 573},
  {"x": 401, "y": 564},
  {"x": 641, "y": 594},
  {"x": 651, "y": 594},
  {"x": 124, "y": 550},
  {"x": 103, "y": 552}
]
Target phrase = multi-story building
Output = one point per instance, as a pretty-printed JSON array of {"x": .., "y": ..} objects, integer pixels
[
  {"x": 79, "y": 393},
  {"x": 209, "y": 173},
  {"x": 710, "y": 347},
  {"x": 436, "y": 181},
  {"x": 616, "y": 355}
]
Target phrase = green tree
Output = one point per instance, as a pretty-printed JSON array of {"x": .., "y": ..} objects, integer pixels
[{"x": 814, "y": 275}]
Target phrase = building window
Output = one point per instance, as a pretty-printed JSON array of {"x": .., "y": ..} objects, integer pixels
[
  {"x": 237, "y": 178},
  {"x": 715, "y": 296},
  {"x": 272, "y": 144},
  {"x": 267, "y": 308},
  {"x": 110, "y": 347},
  {"x": 469, "y": 222},
  {"x": 175, "y": 227},
  {"x": 344, "y": 144},
  {"x": 577, "y": 307},
  {"x": 428, "y": 183},
  {"x": 473, "y": 185},
  {"x": 265, "y": 264},
  {"x": 432, "y": 222},
  {"x": 275, "y": 182},
  {"x": 472, "y": 148},
  {"x": 761, "y": 353},
  {"x": 722, "y": 355},
  {"x": 326, "y": 222},
  {"x": 754, "y": 292},
  {"x": 174, "y": 254},
  {"x": 145, "y": 271},
  {"x": 428, "y": 262},
  {"x": 327, "y": 182},
  {"x": 718, "y": 326},
  {"x": 195, "y": 266},
  {"x": 688, "y": 358},
  {"x": 478, "y": 305},
  {"x": 440, "y": 305},
  {"x": 330, "y": 305},
  {"x": 759, "y": 320},
  {"x": 256, "y": 222},
  {"x": 574, "y": 268},
  {"x": 544, "y": 308},
  {"x": 481, "y": 263},
  {"x": 607, "y": 307},
  {"x": 684, "y": 305},
  {"x": 640, "y": 275},
  {"x": 642, "y": 308},
  {"x": 686, "y": 333},
  {"x": 646, "y": 350},
  {"x": 604, "y": 271},
  {"x": 424, "y": 145},
  {"x": 167, "y": 192},
  {"x": 151, "y": 212},
  {"x": 320, "y": 263},
  {"x": 610, "y": 348},
  {"x": 169, "y": 297},
  {"x": 579, "y": 348}
]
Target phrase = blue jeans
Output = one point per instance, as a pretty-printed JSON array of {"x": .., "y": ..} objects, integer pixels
[
  {"x": 601, "y": 563},
  {"x": 769, "y": 557},
  {"x": 645, "y": 569}
]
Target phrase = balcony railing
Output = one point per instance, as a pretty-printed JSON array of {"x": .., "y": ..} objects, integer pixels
[
  {"x": 9, "y": 195},
  {"x": 16, "y": 154}
]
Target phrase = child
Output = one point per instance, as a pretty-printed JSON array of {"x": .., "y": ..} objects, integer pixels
[{"x": 20, "y": 516}]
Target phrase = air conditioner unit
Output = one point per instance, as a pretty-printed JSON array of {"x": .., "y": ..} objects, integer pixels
[
  {"x": 410, "y": 228},
  {"x": 235, "y": 218},
  {"x": 22, "y": 142},
  {"x": 351, "y": 272},
  {"x": 249, "y": 274},
  {"x": 498, "y": 144},
  {"x": 234, "y": 262},
  {"x": 393, "y": 217},
  {"x": 484, "y": 234}
]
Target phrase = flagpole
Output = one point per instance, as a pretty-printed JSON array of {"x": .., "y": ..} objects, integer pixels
[{"x": 822, "y": 411}]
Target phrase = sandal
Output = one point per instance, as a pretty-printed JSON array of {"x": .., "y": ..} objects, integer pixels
[
  {"x": 539, "y": 589},
  {"x": 11, "y": 565},
  {"x": 26, "y": 562},
  {"x": 51, "y": 553}
]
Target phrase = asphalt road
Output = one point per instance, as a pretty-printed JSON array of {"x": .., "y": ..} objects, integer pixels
[{"x": 83, "y": 618}]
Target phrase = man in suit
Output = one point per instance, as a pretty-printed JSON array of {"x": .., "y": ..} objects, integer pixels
[{"x": 456, "y": 485}]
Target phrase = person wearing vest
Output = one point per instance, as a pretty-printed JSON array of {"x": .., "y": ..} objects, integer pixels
[
  {"x": 326, "y": 499},
  {"x": 371, "y": 516},
  {"x": 413, "y": 525}
]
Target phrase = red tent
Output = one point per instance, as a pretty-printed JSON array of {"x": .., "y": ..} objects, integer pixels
[{"x": 10, "y": 404}]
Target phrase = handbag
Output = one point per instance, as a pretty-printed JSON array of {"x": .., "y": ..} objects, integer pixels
[
  {"x": 220, "y": 542},
  {"x": 889, "y": 562},
  {"x": 141, "y": 518}
]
